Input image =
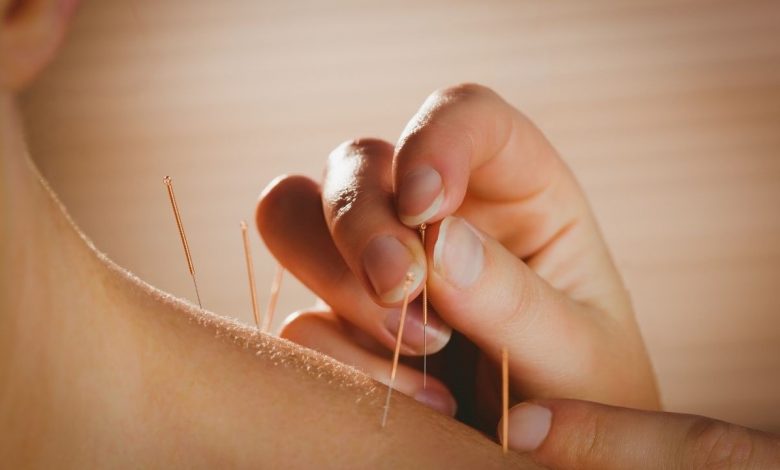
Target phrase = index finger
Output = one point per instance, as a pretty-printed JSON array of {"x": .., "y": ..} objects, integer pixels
[{"x": 468, "y": 138}]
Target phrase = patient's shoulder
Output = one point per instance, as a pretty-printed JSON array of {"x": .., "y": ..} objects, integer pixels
[{"x": 260, "y": 400}]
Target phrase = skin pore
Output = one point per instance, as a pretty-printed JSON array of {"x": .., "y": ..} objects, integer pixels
[{"x": 98, "y": 368}]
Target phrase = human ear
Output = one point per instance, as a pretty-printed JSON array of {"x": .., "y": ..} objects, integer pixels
[{"x": 30, "y": 34}]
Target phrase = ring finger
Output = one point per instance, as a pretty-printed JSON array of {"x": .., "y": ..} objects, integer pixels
[{"x": 322, "y": 331}]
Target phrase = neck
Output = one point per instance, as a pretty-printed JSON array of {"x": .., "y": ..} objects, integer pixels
[
  {"x": 42, "y": 250},
  {"x": 52, "y": 313},
  {"x": 81, "y": 340},
  {"x": 47, "y": 263}
]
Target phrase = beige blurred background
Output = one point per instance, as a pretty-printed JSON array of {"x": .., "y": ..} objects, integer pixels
[{"x": 669, "y": 113}]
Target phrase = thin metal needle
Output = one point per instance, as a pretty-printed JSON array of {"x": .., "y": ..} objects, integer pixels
[
  {"x": 250, "y": 271},
  {"x": 425, "y": 317},
  {"x": 396, "y": 354},
  {"x": 169, "y": 184},
  {"x": 275, "y": 287},
  {"x": 505, "y": 399}
]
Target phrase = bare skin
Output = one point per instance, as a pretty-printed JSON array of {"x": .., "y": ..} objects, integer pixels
[
  {"x": 98, "y": 368},
  {"x": 534, "y": 277}
]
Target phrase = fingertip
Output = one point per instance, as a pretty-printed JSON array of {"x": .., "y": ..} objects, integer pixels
[
  {"x": 299, "y": 327},
  {"x": 272, "y": 188},
  {"x": 529, "y": 425},
  {"x": 439, "y": 400},
  {"x": 275, "y": 197}
]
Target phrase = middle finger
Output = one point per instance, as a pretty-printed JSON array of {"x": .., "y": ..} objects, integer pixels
[
  {"x": 358, "y": 204},
  {"x": 291, "y": 221}
]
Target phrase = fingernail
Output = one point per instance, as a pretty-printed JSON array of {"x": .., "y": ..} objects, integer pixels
[
  {"x": 420, "y": 195},
  {"x": 440, "y": 401},
  {"x": 387, "y": 261},
  {"x": 458, "y": 254},
  {"x": 415, "y": 337},
  {"x": 529, "y": 425}
]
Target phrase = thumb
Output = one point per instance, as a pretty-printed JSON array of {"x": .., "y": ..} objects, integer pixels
[
  {"x": 579, "y": 434},
  {"x": 559, "y": 347}
]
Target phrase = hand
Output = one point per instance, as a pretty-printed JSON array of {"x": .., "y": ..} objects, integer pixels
[
  {"x": 583, "y": 435},
  {"x": 517, "y": 259}
]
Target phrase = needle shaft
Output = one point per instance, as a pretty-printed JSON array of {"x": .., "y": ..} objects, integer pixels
[
  {"x": 505, "y": 399},
  {"x": 190, "y": 266},
  {"x": 274, "y": 296},
  {"x": 425, "y": 318},
  {"x": 397, "y": 352},
  {"x": 250, "y": 271}
]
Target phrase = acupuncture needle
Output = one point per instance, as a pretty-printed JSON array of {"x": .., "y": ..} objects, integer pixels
[
  {"x": 250, "y": 271},
  {"x": 425, "y": 317},
  {"x": 274, "y": 296},
  {"x": 505, "y": 400},
  {"x": 397, "y": 352},
  {"x": 169, "y": 184}
]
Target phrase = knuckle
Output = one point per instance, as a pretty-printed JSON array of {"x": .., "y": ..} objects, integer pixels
[
  {"x": 442, "y": 116},
  {"x": 715, "y": 444},
  {"x": 587, "y": 445},
  {"x": 591, "y": 447},
  {"x": 353, "y": 209},
  {"x": 521, "y": 303},
  {"x": 342, "y": 202},
  {"x": 463, "y": 91},
  {"x": 364, "y": 146},
  {"x": 349, "y": 180}
]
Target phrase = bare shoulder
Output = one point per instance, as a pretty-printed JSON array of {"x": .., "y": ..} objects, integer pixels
[{"x": 251, "y": 399}]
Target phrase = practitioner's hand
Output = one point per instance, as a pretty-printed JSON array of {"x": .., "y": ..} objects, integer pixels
[
  {"x": 515, "y": 256},
  {"x": 583, "y": 435}
]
